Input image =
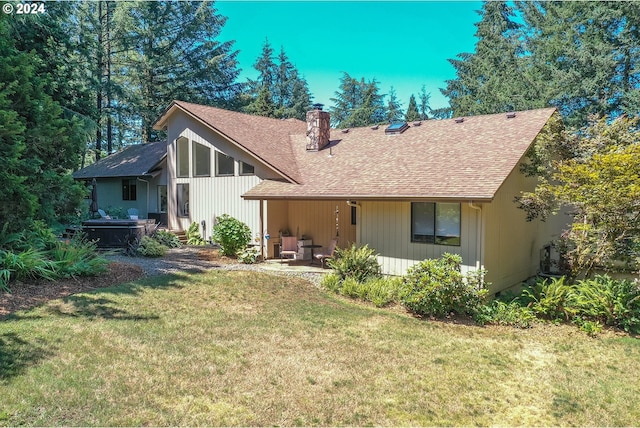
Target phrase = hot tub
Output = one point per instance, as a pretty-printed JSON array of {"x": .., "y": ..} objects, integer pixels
[{"x": 111, "y": 233}]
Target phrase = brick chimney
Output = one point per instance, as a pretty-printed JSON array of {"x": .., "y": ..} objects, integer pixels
[{"x": 317, "y": 128}]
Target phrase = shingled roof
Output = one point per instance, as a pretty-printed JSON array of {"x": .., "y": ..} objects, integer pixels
[
  {"x": 439, "y": 159},
  {"x": 266, "y": 138},
  {"x": 134, "y": 161}
]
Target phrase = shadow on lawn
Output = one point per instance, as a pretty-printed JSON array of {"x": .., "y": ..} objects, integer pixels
[
  {"x": 18, "y": 354},
  {"x": 97, "y": 304}
]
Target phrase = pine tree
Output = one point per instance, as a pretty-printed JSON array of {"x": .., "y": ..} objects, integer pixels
[
  {"x": 424, "y": 103},
  {"x": 173, "y": 48},
  {"x": 394, "y": 109},
  {"x": 412, "y": 113},
  {"x": 357, "y": 103}
]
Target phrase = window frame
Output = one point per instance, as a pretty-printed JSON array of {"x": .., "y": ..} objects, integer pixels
[
  {"x": 242, "y": 171},
  {"x": 179, "y": 172},
  {"x": 194, "y": 159},
  {"x": 180, "y": 202},
  {"x": 233, "y": 162},
  {"x": 453, "y": 241},
  {"x": 129, "y": 189}
]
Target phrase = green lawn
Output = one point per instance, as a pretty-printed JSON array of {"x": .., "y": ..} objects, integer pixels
[{"x": 245, "y": 348}]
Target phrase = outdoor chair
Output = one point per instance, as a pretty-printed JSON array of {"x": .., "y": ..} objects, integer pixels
[
  {"x": 133, "y": 213},
  {"x": 288, "y": 247},
  {"x": 104, "y": 215},
  {"x": 328, "y": 254}
]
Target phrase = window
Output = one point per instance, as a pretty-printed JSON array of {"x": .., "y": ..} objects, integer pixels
[
  {"x": 224, "y": 164},
  {"x": 246, "y": 169},
  {"x": 182, "y": 157},
  {"x": 201, "y": 160},
  {"x": 354, "y": 215},
  {"x": 162, "y": 198},
  {"x": 129, "y": 190},
  {"x": 182, "y": 196},
  {"x": 435, "y": 223}
]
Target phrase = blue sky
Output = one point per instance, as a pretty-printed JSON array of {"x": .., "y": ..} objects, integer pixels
[{"x": 401, "y": 44}]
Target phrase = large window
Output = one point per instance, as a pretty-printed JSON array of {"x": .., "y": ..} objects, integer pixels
[
  {"x": 435, "y": 223},
  {"x": 201, "y": 160},
  {"x": 224, "y": 164},
  {"x": 182, "y": 157},
  {"x": 162, "y": 198},
  {"x": 129, "y": 190},
  {"x": 182, "y": 193}
]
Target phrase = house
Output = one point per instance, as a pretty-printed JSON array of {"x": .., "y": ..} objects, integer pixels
[
  {"x": 410, "y": 191},
  {"x": 134, "y": 177}
]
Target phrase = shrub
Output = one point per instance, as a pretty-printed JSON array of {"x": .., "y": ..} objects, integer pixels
[
  {"x": 506, "y": 313},
  {"x": 193, "y": 235},
  {"x": 331, "y": 282},
  {"x": 608, "y": 301},
  {"x": 248, "y": 256},
  {"x": 436, "y": 287},
  {"x": 383, "y": 291},
  {"x": 149, "y": 247},
  {"x": 231, "y": 234},
  {"x": 359, "y": 263},
  {"x": 166, "y": 238},
  {"x": 78, "y": 257},
  {"x": 548, "y": 299}
]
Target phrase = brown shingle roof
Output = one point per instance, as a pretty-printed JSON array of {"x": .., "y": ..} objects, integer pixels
[
  {"x": 438, "y": 159},
  {"x": 266, "y": 138},
  {"x": 133, "y": 161}
]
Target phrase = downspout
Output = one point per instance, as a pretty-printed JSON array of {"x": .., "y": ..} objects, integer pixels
[
  {"x": 479, "y": 235},
  {"x": 145, "y": 181}
]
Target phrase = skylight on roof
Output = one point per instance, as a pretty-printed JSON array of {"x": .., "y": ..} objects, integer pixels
[{"x": 396, "y": 128}]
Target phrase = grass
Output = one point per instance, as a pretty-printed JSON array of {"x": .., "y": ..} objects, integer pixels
[{"x": 245, "y": 348}]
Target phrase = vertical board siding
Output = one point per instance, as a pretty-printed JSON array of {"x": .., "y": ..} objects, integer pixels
[{"x": 386, "y": 227}]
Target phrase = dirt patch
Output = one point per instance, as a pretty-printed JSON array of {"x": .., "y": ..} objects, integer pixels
[{"x": 25, "y": 295}]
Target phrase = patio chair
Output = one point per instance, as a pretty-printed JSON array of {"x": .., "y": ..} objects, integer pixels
[
  {"x": 328, "y": 254},
  {"x": 104, "y": 215},
  {"x": 288, "y": 247},
  {"x": 133, "y": 213}
]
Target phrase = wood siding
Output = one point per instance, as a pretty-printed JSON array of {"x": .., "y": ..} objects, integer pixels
[{"x": 386, "y": 227}]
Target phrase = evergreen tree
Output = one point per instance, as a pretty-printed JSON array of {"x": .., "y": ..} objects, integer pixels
[
  {"x": 263, "y": 105},
  {"x": 170, "y": 51},
  {"x": 412, "y": 113},
  {"x": 493, "y": 78},
  {"x": 394, "y": 109},
  {"x": 289, "y": 93},
  {"x": 357, "y": 103},
  {"x": 424, "y": 103}
]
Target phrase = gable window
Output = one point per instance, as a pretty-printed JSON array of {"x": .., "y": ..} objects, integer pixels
[
  {"x": 435, "y": 223},
  {"x": 224, "y": 164},
  {"x": 201, "y": 160},
  {"x": 182, "y": 157},
  {"x": 246, "y": 169},
  {"x": 129, "y": 190}
]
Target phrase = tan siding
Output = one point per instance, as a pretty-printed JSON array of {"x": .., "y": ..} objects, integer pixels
[{"x": 386, "y": 227}]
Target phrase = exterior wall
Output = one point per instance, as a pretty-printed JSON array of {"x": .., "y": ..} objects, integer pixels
[
  {"x": 314, "y": 220},
  {"x": 110, "y": 194},
  {"x": 512, "y": 246},
  {"x": 210, "y": 196},
  {"x": 386, "y": 227}
]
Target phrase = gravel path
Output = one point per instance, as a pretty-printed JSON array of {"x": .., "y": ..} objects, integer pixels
[{"x": 198, "y": 259}]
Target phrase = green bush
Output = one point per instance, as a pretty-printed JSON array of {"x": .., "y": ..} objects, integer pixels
[
  {"x": 436, "y": 287},
  {"x": 248, "y": 256},
  {"x": 505, "y": 313},
  {"x": 608, "y": 301},
  {"x": 166, "y": 238},
  {"x": 149, "y": 247},
  {"x": 78, "y": 257},
  {"x": 548, "y": 299},
  {"x": 331, "y": 282},
  {"x": 231, "y": 234},
  {"x": 193, "y": 235},
  {"x": 359, "y": 263}
]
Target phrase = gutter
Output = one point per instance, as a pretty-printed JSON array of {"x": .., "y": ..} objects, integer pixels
[{"x": 479, "y": 236}]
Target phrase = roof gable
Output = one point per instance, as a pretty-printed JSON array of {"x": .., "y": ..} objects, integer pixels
[
  {"x": 267, "y": 139},
  {"x": 133, "y": 161}
]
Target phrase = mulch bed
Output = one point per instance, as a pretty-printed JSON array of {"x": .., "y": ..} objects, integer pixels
[{"x": 25, "y": 295}]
